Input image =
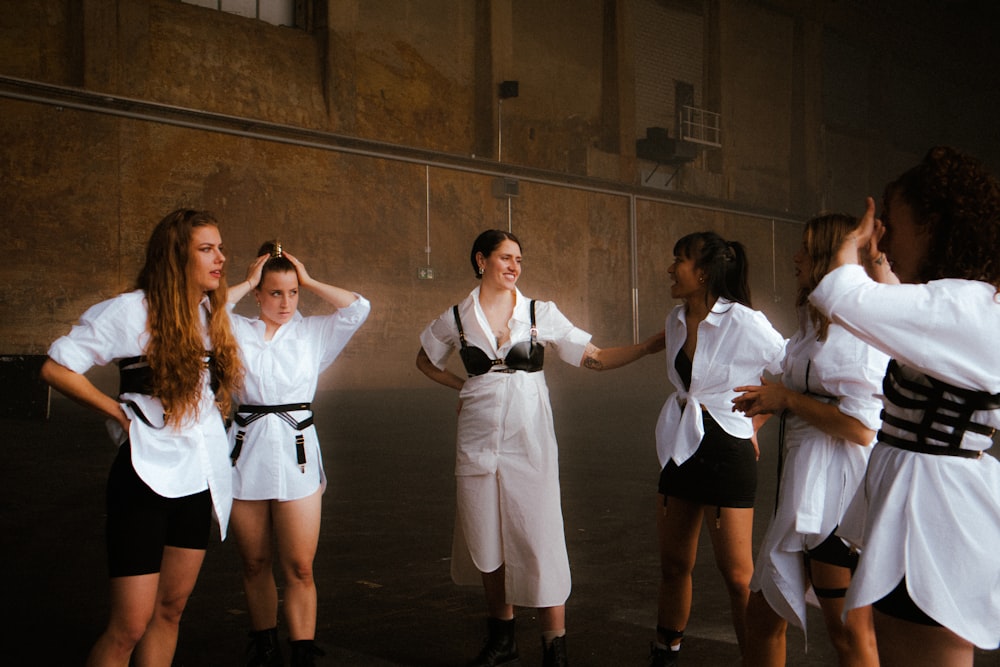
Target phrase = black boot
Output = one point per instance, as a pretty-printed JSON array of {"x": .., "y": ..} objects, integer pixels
[
  {"x": 263, "y": 650},
  {"x": 554, "y": 653},
  {"x": 304, "y": 652},
  {"x": 662, "y": 657},
  {"x": 665, "y": 657},
  {"x": 500, "y": 648}
]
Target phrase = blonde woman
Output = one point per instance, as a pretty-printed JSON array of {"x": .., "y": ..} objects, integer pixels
[{"x": 829, "y": 406}]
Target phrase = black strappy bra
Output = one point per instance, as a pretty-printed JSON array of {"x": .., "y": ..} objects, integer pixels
[{"x": 524, "y": 356}]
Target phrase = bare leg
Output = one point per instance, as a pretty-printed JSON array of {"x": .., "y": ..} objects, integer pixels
[
  {"x": 905, "y": 644},
  {"x": 178, "y": 575},
  {"x": 766, "y": 634},
  {"x": 853, "y": 639},
  {"x": 296, "y": 524},
  {"x": 496, "y": 594},
  {"x": 250, "y": 523},
  {"x": 552, "y": 619},
  {"x": 732, "y": 542},
  {"x": 679, "y": 524},
  {"x": 132, "y": 603}
]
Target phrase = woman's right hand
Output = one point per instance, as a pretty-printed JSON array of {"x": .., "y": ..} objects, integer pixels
[{"x": 255, "y": 269}]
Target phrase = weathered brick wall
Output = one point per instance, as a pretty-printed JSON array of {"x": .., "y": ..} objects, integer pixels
[{"x": 81, "y": 189}]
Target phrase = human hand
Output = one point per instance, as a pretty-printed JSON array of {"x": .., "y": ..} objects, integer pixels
[
  {"x": 874, "y": 259},
  {"x": 300, "y": 268},
  {"x": 764, "y": 399},
  {"x": 863, "y": 234},
  {"x": 255, "y": 269}
]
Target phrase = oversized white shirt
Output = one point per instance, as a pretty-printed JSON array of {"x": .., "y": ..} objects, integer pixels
[
  {"x": 934, "y": 519},
  {"x": 820, "y": 473},
  {"x": 506, "y": 463},
  {"x": 175, "y": 460},
  {"x": 280, "y": 371},
  {"x": 736, "y": 345}
]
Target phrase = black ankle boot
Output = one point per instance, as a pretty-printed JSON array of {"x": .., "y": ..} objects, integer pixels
[
  {"x": 263, "y": 650},
  {"x": 500, "y": 648},
  {"x": 554, "y": 653},
  {"x": 304, "y": 652}
]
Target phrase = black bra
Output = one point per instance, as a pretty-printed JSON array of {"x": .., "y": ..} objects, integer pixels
[{"x": 524, "y": 356}]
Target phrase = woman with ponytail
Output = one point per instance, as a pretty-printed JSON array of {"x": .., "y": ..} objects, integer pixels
[
  {"x": 707, "y": 452},
  {"x": 179, "y": 366},
  {"x": 278, "y": 476}
]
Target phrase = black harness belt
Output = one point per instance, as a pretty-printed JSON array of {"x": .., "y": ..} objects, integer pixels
[
  {"x": 943, "y": 405},
  {"x": 247, "y": 414}
]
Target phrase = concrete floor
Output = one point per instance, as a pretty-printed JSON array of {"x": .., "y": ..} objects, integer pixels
[{"x": 385, "y": 595}]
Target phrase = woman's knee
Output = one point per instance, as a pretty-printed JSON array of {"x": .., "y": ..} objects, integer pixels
[
  {"x": 256, "y": 566},
  {"x": 300, "y": 572},
  {"x": 762, "y": 621}
]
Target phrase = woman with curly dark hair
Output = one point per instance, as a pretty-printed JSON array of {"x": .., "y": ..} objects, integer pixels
[
  {"x": 928, "y": 515},
  {"x": 179, "y": 365}
]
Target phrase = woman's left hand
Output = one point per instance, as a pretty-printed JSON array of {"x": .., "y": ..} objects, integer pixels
[
  {"x": 300, "y": 268},
  {"x": 255, "y": 269}
]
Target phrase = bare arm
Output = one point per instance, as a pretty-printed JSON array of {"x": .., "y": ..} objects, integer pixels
[
  {"x": 445, "y": 377},
  {"x": 336, "y": 296},
  {"x": 773, "y": 397},
  {"x": 599, "y": 359},
  {"x": 80, "y": 389}
]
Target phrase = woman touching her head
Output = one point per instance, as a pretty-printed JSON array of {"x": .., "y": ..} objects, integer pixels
[
  {"x": 278, "y": 476},
  {"x": 928, "y": 513}
]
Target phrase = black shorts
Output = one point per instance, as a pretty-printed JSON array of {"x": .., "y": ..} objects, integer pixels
[
  {"x": 899, "y": 604},
  {"x": 141, "y": 522},
  {"x": 833, "y": 551},
  {"x": 721, "y": 473}
]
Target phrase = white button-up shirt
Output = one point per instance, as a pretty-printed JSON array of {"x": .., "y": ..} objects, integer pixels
[
  {"x": 735, "y": 346},
  {"x": 507, "y": 459},
  {"x": 934, "y": 519},
  {"x": 175, "y": 460},
  {"x": 285, "y": 370},
  {"x": 820, "y": 473}
]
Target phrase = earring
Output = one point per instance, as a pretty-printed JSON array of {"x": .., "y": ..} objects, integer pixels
[
  {"x": 701, "y": 280},
  {"x": 481, "y": 269}
]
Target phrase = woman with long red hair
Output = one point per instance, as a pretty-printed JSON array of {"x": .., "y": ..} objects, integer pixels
[{"x": 179, "y": 365}]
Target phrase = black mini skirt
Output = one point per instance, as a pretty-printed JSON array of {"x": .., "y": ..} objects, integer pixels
[{"x": 721, "y": 473}]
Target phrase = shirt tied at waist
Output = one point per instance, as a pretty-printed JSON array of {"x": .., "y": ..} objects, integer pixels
[{"x": 679, "y": 428}]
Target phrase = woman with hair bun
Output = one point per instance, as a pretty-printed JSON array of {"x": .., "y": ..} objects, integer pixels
[
  {"x": 179, "y": 367},
  {"x": 277, "y": 466},
  {"x": 509, "y": 529},
  {"x": 707, "y": 452}
]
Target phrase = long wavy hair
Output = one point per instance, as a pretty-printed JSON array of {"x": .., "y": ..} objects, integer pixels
[
  {"x": 176, "y": 349},
  {"x": 725, "y": 264},
  {"x": 959, "y": 201},
  {"x": 821, "y": 238}
]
